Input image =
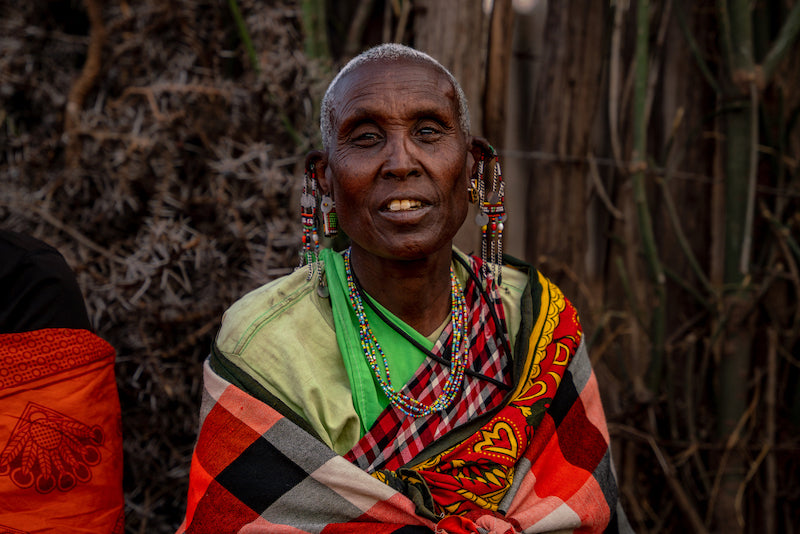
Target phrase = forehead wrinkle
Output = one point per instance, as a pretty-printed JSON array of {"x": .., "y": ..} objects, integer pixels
[
  {"x": 386, "y": 54},
  {"x": 351, "y": 104}
]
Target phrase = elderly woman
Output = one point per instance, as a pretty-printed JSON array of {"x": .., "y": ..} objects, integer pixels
[{"x": 401, "y": 386}]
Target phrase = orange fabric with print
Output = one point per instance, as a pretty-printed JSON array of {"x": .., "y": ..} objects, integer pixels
[
  {"x": 60, "y": 434},
  {"x": 477, "y": 473}
]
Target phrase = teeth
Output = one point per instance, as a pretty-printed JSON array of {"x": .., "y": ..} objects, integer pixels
[{"x": 405, "y": 204}]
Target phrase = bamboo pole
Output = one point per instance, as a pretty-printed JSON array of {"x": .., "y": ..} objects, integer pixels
[
  {"x": 614, "y": 77},
  {"x": 641, "y": 68},
  {"x": 740, "y": 139},
  {"x": 783, "y": 43},
  {"x": 497, "y": 71},
  {"x": 316, "y": 33}
]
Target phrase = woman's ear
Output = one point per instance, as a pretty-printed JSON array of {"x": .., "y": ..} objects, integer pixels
[
  {"x": 316, "y": 167},
  {"x": 479, "y": 146},
  {"x": 480, "y": 150}
]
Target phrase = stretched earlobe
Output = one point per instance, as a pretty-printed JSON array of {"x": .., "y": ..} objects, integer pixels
[
  {"x": 487, "y": 190},
  {"x": 482, "y": 153},
  {"x": 315, "y": 165},
  {"x": 479, "y": 146}
]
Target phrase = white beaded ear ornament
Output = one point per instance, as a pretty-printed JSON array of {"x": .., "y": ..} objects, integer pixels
[
  {"x": 309, "y": 202},
  {"x": 490, "y": 196},
  {"x": 330, "y": 223}
]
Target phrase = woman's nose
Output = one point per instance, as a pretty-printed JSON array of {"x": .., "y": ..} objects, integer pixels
[{"x": 401, "y": 161}]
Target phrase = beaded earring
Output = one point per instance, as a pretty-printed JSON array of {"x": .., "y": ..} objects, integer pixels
[
  {"x": 309, "y": 256},
  {"x": 330, "y": 225},
  {"x": 492, "y": 216},
  {"x": 308, "y": 216}
]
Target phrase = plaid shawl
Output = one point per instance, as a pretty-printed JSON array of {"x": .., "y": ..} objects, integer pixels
[
  {"x": 539, "y": 463},
  {"x": 396, "y": 439}
]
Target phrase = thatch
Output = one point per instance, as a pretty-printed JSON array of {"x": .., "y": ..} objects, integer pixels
[{"x": 171, "y": 189}]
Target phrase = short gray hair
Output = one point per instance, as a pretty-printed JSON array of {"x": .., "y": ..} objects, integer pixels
[{"x": 388, "y": 52}]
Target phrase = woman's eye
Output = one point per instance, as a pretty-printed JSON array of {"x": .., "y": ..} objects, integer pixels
[
  {"x": 429, "y": 132},
  {"x": 365, "y": 138}
]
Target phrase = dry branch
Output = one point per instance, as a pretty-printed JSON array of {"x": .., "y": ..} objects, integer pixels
[
  {"x": 145, "y": 216},
  {"x": 81, "y": 86},
  {"x": 684, "y": 501},
  {"x": 594, "y": 174}
]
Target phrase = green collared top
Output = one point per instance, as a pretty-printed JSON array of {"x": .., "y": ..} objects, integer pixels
[{"x": 279, "y": 344}]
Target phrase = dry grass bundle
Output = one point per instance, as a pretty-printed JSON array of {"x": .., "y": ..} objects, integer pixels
[{"x": 140, "y": 141}]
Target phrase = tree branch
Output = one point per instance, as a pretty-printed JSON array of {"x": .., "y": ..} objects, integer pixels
[
  {"x": 79, "y": 89},
  {"x": 783, "y": 43},
  {"x": 695, "y": 49}
]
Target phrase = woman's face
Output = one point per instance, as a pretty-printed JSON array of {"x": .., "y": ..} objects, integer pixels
[{"x": 398, "y": 169}]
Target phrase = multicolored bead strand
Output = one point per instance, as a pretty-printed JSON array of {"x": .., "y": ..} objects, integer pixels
[
  {"x": 372, "y": 350},
  {"x": 308, "y": 217},
  {"x": 330, "y": 222},
  {"x": 492, "y": 216}
]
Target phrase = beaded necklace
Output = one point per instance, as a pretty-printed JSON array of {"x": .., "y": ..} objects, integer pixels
[{"x": 369, "y": 344}]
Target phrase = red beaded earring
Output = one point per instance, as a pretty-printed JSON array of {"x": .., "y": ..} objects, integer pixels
[
  {"x": 490, "y": 195},
  {"x": 309, "y": 207},
  {"x": 308, "y": 216}
]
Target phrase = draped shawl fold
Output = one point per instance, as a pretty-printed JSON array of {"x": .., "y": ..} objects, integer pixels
[{"x": 539, "y": 462}]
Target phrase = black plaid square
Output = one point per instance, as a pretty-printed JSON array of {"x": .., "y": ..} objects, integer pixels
[{"x": 253, "y": 478}]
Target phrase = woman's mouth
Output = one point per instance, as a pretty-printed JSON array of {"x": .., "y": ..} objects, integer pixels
[
  {"x": 406, "y": 211},
  {"x": 404, "y": 205}
]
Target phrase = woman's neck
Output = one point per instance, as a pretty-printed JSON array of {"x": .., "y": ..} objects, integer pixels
[{"x": 418, "y": 291}]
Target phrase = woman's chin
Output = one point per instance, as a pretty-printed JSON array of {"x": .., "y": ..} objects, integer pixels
[{"x": 410, "y": 248}]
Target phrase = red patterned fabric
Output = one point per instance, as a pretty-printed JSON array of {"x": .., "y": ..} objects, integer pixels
[
  {"x": 539, "y": 423},
  {"x": 60, "y": 434},
  {"x": 395, "y": 439},
  {"x": 476, "y": 473},
  {"x": 255, "y": 471},
  {"x": 541, "y": 462}
]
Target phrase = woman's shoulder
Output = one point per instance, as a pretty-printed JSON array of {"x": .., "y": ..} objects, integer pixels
[
  {"x": 275, "y": 310},
  {"x": 281, "y": 336}
]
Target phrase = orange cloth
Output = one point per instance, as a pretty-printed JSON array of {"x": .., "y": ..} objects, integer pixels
[{"x": 60, "y": 434}]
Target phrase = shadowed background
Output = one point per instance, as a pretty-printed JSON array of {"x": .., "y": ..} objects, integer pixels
[{"x": 650, "y": 155}]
